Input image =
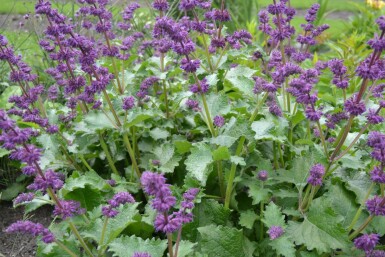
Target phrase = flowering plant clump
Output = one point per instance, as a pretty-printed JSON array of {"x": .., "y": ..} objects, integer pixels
[{"x": 157, "y": 130}]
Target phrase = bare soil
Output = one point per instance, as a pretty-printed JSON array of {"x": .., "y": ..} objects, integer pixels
[{"x": 20, "y": 245}]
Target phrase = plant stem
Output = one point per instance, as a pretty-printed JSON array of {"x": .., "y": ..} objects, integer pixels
[
  {"x": 79, "y": 237},
  {"x": 81, "y": 157},
  {"x": 65, "y": 248},
  {"x": 108, "y": 155},
  {"x": 177, "y": 242},
  {"x": 101, "y": 251},
  {"x": 166, "y": 99},
  {"x": 131, "y": 153},
  {"x": 220, "y": 178},
  {"x": 362, "y": 227},
  {"x": 341, "y": 138},
  {"x": 233, "y": 168},
  {"x": 112, "y": 108},
  {"x": 359, "y": 211}
]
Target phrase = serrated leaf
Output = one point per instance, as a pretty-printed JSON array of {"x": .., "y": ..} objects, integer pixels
[
  {"x": 321, "y": 229},
  {"x": 221, "y": 153},
  {"x": 272, "y": 216},
  {"x": 136, "y": 116},
  {"x": 240, "y": 78},
  {"x": 115, "y": 225},
  {"x": 205, "y": 213},
  {"x": 238, "y": 160},
  {"x": 168, "y": 158},
  {"x": 234, "y": 129},
  {"x": 91, "y": 178},
  {"x": 283, "y": 246},
  {"x": 186, "y": 248},
  {"x": 97, "y": 121},
  {"x": 158, "y": 133},
  {"x": 357, "y": 182},
  {"x": 247, "y": 219},
  {"x": 198, "y": 163},
  {"x": 3, "y": 152},
  {"x": 270, "y": 128},
  {"x": 127, "y": 246},
  {"x": 257, "y": 192},
  {"x": 54, "y": 250},
  {"x": 218, "y": 104},
  {"x": 182, "y": 146},
  {"x": 87, "y": 197},
  {"x": 6, "y": 94},
  {"x": 223, "y": 241},
  {"x": 12, "y": 191}
]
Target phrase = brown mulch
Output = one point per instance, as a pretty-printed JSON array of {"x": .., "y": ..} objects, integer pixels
[{"x": 20, "y": 245}]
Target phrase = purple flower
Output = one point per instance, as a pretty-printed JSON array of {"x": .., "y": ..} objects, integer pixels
[
  {"x": 160, "y": 5},
  {"x": 316, "y": 175},
  {"x": 353, "y": 107},
  {"x": 219, "y": 121},
  {"x": 167, "y": 223},
  {"x": 121, "y": 198},
  {"x": 128, "y": 103},
  {"x": 366, "y": 242},
  {"x": 377, "y": 253},
  {"x": 376, "y": 206},
  {"x": 156, "y": 162},
  {"x": 263, "y": 175},
  {"x": 373, "y": 117},
  {"x": 23, "y": 197},
  {"x": 381, "y": 22},
  {"x": 312, "y": 13},
  {"x": 51, "y": 179},
  {"x": 67, "y": 209},
  {"x": 312, "y": 114},
  {"x": 377, "y": 175},
  {"x": 190, "y": 65},
  {"x": 35, "y": 229},
  {"x": 138, "y": 254},
  {"x": 155, "y": 185},
  {"x": 111, "y": 182},
  {"x": 192, "y": 104},
  {"x": 275, "y": 232},
  {"x": 186, "y": 5},
  {"x": 201, "y": 88},
  {"x": 109, "y": 212}
]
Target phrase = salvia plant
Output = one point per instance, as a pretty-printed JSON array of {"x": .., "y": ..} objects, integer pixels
[{"x": 161, "y": 132}]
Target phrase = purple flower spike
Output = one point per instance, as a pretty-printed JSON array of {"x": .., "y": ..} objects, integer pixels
[
  {"x": 128, "y": 103},
  {"x": 138, "y": 254},
  {"x": 376, "y": 206},
  {"x": 190, "y": 65},
  {"x": 219, "y": 121},
  {"x": 377, "y": 175},
  {"x": 109, "y": 212},
  {"x": 366, "y": 242},
  {"x": 160, "y": 5},
  {"x": 275, "y": 232},
  {"x": 167, "y": 224},
  {"x": 316, "y": 175},
  {"x": 23, "y": 198},
  {"x": 263, "y": 175},
  {"x": 121, "y": 198},
  {"x": 68, "y": 209},
  {"x": 35, "y": 229}
]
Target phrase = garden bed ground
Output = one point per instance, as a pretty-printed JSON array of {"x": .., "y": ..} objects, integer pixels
[{"x": 18, "y": 245}]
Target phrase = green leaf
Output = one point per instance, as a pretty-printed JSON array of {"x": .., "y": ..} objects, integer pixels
[
  {"x": 158, "y": 133},
  {"x": 136, "y": 116},
  {"x": 198, "y": 163},
  {"x": 205, "y": 213},
  {"x": 223, "y": 241},
  {"x": 283, "y": 246},
  {"x": 115, "y": 225},
  {"x": 89, "y": 198},
  {"x": 12, "y": 191},
  {"x": 6, "y": 94},
  {"x": 221, "y": 153},
  {"x": 234, "y": 129},
  {"x": 218, "y": 104},
  {"x": 3, "y": 152},
  {"x": 91, "y": 179},
  {"x": 256, "y": 191},
  {"x": 272, "y": 216},
  {"x": 240, "y": 78},
  {"x": 357, "y": 182},
  {"x": 238, "y": 160},
  {"x": 54, "y": 250},
  {"x": 270, "y": 128},
  {"x": 321, "y": 229},
  {"x": 247, "y": 219},
  {"x": 186, "y": 248},
  {"x": 182, "y": 146},
  {"x": 97, "y": 121},
  {"x": 127, "y": 246},
  {"x": 343, "y": 203},
  {"x": 168, "y": 158}
]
